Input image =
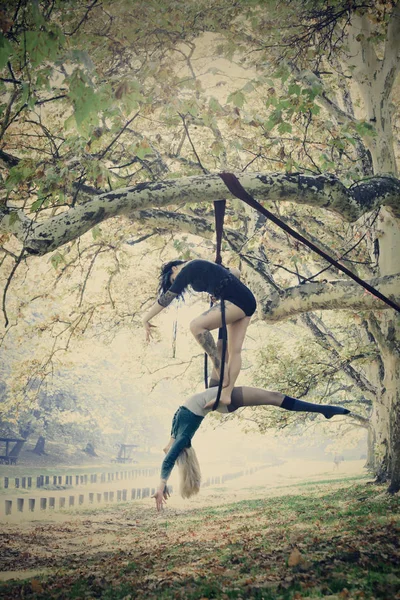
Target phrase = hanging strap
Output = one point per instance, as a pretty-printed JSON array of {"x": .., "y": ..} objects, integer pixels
[
  {"x": 205, "y": 371},
  {"x": 219, "y": 214},
  {"x": 223, "y": 355},
  {"x": 236, "y": 188}
]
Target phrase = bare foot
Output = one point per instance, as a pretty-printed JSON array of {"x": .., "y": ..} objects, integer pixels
[{"x": 224, "y": 399}]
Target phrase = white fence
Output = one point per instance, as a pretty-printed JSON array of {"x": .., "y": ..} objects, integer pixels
[{"x": 64, "y": 499}]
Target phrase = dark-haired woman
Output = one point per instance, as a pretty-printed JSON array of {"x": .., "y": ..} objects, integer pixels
[
  {"x": 189, "y": 417},
  {"x": 221, "y": 283}
]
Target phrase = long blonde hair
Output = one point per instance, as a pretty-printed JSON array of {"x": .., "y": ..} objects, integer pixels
[{"x": 189, "y": 473}]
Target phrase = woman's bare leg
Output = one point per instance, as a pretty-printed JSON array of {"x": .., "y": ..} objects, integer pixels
[
  {"x": 236, "y": 335},
  {"x": 249, "y": 396},
  {"x": 214, "y": 377},
  {"x": 212, "y": 319}
]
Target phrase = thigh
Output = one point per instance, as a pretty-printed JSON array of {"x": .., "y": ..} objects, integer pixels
[
  {"x": 212, "y": 318},
  {"x": 236, "y": 334}
]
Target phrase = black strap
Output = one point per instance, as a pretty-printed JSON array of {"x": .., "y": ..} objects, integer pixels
[
  {"x": 205, "y": 371},
  {"x": 219, "y": 214},
  {"x": 223, "y": 355},
  {"x": 236, "y": 188}
]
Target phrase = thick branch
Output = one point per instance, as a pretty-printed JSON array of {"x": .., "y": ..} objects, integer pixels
[
  {"x": 322, "y": 191},
  {"x": 390, "y": 64},
  {"x": 343, "y": 295}
]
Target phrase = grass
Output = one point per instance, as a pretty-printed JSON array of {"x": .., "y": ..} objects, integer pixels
[{"x": 333, "y": 540}]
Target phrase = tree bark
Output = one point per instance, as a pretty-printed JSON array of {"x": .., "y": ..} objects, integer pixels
[
  {"x": 370, "y": 464},
  {"x": 39, "y": 448},
  {"x": 324, "y": 191},
  {"x": 90, "y": 449}
]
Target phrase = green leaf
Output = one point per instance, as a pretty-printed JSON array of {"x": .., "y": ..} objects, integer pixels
[
  {"x": 5, "y": 50},
  {"x": 315, "y": 110},
  {"x": 364, "y": 128},
  {"x": 143, "y": 150},
  {"x": 273, "y": 120},
  {"x": 237, "y": 98},
  {"x": 294, "y": 88},
  {"x": 215, "y": 106},
  {"x": 14, "y": 217},
  {"x": 96, "y": 232},
  {"x": 285, "y": 128},
  {"x": 37, "y": 204},
  {"x": 36, "y": 14},
  {"x": 25, "y": 92},
  {"x": 57, "y": 259}
]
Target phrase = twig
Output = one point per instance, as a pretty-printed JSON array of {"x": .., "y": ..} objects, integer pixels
[
  {"x": 83, "y": 19},
  {"x": 11, "y": 275},
  {"x": 102, "y": 154},
  {"x": 191, "y": 143}
]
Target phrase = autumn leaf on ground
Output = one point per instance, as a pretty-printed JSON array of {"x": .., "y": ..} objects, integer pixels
[
  {"x": 36, "y": 586},
  {"x": 295, "y": 558}
]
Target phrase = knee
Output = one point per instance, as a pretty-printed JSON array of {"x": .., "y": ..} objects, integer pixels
[
  {"x": 234, "y": 353},
  {"x": 196, "y": 327}
]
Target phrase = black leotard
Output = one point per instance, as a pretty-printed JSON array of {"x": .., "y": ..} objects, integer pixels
[{"x": 206, "y": 276}]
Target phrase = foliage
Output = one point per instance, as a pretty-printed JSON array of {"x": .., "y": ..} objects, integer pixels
[
  {"x": 336, "y": 540},
  {"x": 304, "y": 369}
]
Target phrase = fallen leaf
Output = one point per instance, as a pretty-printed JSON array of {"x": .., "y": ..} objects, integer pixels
[
  {"x": 36, "y": 586},
  {"x": 295, "y": 558}
]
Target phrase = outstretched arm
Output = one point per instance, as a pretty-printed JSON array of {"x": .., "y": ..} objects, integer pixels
[
  {"x": 163, "y": 301},
  {"x": 169, "y": 461},
  {"x": 161, "y": 495}
]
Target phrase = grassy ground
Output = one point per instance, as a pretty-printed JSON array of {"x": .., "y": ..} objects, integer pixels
[{"x": 333, "y": 539}]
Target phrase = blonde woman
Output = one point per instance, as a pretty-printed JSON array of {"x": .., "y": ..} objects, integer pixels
[{"x": 189, "y": 417}]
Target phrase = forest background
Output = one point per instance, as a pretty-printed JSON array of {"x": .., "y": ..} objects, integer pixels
[{"x": 116, "y": 118}]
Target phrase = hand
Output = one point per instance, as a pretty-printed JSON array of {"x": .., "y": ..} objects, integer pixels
[
  {"x": 161, "y": 498},
  {"x": 147, "y": 327}
]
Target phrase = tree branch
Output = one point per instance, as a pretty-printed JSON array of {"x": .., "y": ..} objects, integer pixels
[
  {"x": 322, "y": 191},
  {"x": 344, "y": 295}
]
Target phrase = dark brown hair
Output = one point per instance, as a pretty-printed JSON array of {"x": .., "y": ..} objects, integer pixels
[{"x": 165, "y": 275}]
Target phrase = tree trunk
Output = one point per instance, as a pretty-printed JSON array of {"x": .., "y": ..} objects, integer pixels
[
  {"x": 386, "y": 331},
  {"x": 90, "y": 449},
  {"x": 25, "y": 431},
  {"x": 395, "y": 447},
  {"x": 374, "y": 76},
  {"x": 370, "y": 464},
  {"x": 39, "y": 448}
]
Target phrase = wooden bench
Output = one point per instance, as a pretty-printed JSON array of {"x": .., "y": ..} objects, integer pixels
[
  {"x": 124, "y": 453},
  {"x": 11, "y": 455}
]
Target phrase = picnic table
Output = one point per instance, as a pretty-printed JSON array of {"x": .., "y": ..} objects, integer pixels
[
  {"x": 125, "y": 453},
  {"x": 10, "y": 449}
]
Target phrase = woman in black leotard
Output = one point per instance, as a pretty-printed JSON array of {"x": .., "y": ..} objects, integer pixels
[{"x": 240, "y": 305}]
